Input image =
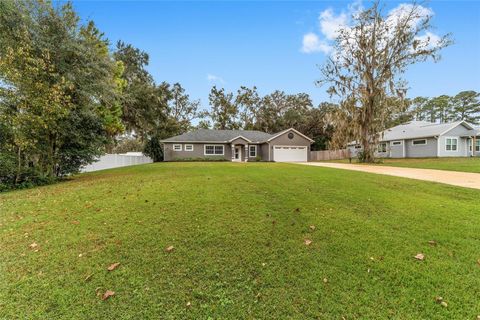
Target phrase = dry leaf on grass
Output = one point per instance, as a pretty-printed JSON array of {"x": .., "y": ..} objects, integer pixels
[
  {"x": 189, "y": 304},
  {"x": 478, "y": 262},
  {"x": 169, "y": 249},
  {"x": 312, "y": 227},
  {"x": 113, "y": 266},
  {"x": 89, "y": 277},
  {"x": 432, "y": 242},
  {"x": 441, "y": 302},
  {"x": 420, "y": 256},
  {"x": 33, "y": 245},
  {"x": 108, "y": 294},
  {"x": 308, "y": 242}
]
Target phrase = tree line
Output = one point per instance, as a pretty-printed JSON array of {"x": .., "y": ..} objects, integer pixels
[
  {"x": 463, "y": 106},
  {"x": 248, "y": 110}
]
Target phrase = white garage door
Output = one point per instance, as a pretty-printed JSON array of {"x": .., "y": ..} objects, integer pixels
[{"x": 290, "y": 153}]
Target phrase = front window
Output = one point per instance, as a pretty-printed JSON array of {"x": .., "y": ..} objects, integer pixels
[
  {"x": 477, "y": 145},
  {"x": 214, "y": 150},
  {"x": 252, "y": 150},
  {"x": 177, "y": 147},
  {"x": 419, "y": 142},
  {"x": 396, "y": 143},
  {"x": 451, "y": 144},
  {"x": 382, "y": 147},
  {"x": 189, "y": 147}
]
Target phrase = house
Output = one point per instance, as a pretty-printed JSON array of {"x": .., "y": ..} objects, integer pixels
[
  {"x": 238, "y": 145},
  {"x": 420, "y": 139}
]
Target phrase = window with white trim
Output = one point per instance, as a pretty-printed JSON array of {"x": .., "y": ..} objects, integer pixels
[
  {"x": 252, "y": 151},
  {"x": 419, "y": 142},
  {"x": 382, "y": 147},
  {"x": 396, "y": 143},
  {"x": 477, "y": 145},
  {"x": 358, "y": 146},
  {"x": 189, "y": 147},
  {"x": 451, "y": 144},
  {"x": 177, "y": 147},
  {"x": 212, "y": 149}
]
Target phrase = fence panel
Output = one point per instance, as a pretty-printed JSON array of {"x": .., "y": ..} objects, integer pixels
[
  {"x": 109, "y": 161},
  {"x": 329, "y": 155}
]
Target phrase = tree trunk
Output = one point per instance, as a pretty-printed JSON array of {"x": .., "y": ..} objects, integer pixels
[
  {"x": 368, "y": 151},
  {"x": 50, "y": 165},
  {"x": 19, "y": 166}
]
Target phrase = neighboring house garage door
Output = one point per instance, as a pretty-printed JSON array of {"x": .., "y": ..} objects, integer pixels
[{"x": 290, "y": 153}]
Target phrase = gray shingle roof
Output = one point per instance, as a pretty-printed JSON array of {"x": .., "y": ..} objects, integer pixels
[
  {"x": 420, "y": 129},
  {"x": 208, "y": 135}
]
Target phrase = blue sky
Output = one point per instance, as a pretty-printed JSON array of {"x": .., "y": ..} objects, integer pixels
[{"x": 260, "y": 43}]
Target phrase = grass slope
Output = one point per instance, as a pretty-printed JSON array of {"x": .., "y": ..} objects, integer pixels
[
  {"x": 465, "y": 164},
  {"x": 239, "y": 245}
]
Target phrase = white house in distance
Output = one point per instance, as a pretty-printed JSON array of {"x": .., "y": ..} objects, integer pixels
[{"x": 421, "y": 139}]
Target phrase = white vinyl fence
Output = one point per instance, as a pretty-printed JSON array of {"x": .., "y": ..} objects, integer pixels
[{"x": 109, "y": 161}]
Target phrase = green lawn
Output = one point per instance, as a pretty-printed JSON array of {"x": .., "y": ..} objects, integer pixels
[
  {"x": 238, "y": 232},
  {"x": 451, "y": 164}
]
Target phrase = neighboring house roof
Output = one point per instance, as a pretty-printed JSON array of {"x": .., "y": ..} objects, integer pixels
[
  {"x": 477, "y": 131},
  {"x": 422, "y": 129},
  {"x": 208, "y": 135}
]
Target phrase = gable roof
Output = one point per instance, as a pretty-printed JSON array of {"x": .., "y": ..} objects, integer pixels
[
  {"x": 240, "y": 137},
  {"x": 285, "y": 131},
  {"x": 227, "y": 136},
  {"x": 208, "y": 135},
  {"x": 422, "y": 129}
]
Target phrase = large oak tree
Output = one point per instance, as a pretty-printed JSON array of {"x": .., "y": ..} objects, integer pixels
[{"x": 367, "y": 63}]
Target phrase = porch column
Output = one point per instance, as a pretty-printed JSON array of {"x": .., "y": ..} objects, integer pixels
[
  {"x": 246, "y": 153},
  {"x": 233, "y": 152},
  {"x": 474, "y": 142}
]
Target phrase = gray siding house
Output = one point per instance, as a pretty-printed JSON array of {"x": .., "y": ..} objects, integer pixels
[
  {"x": 420, "y": 139},
  {"x": 238, "y": 145}
]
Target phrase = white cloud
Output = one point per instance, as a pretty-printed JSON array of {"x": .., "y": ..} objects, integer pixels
[
  {"x": 311, "y": 43},
  {"x": 214, "y": 78},
  {"x": 429, "y": 37},
  {"x": 403, "y": 10},
  {"x": 427, "y": 41},
  {"x": 330, "y": 24}
]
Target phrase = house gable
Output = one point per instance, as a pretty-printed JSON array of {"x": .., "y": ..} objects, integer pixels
[
  {"x": 286, "y": 132},
  {"x": 462, "y": 129},
  {"x": 240, "y": 140}
]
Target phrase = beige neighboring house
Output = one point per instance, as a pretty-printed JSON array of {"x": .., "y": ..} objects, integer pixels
[
  {"x": 421, "y": 139},
  {"x": 238, "y": 145}
]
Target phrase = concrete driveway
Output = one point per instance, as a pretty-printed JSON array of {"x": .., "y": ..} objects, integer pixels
[{"x": 455, "y": 178}]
